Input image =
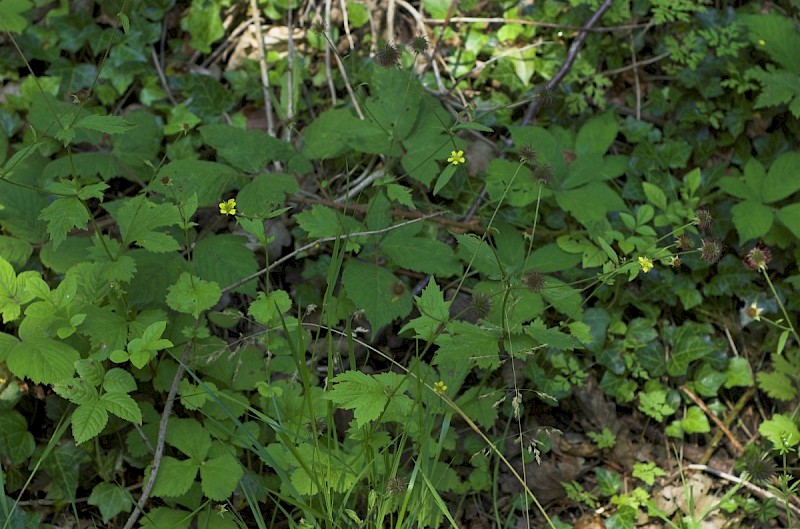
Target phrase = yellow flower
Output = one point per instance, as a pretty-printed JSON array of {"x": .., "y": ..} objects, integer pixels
[
  {"x": 439, "y": 387},
  {"x": 228, "y": 208},
  {"x": 456, "y": 157},
  {"x": 646, "y": 264}
]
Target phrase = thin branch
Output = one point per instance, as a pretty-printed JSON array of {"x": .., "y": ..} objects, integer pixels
[
  {"x": 737, "y": 446},
  {"x": 320, "y": 241},
  {"x": 161, "y": 76},
  {"x": 501, "y": 20},
  {"x": 262, "y": 62},
  {"x": 639, "y": 64},
  {"x": 328, "y": 71},
  {"x": 571, "y": 55},
  {"x": 758, "y": 491},
  {"x": 162, "y": 436}
]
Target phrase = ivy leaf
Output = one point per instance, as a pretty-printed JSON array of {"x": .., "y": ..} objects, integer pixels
[
  {"x": 373, "y": 289},
  {"x": 192, "y": 295},
  {"x": 219, "y": 476},
  {"x": 16, "y": 442},
  {"x": 364, "y": 394},
  {"x": 88, "y": 420},
  {"x": 688, "y": 345},
  {"x": 42, "y": 360},
  {"x": 738, "y": 373},
  {"x": 434, "y": 312},
  {"x": 62, "y": 215},
  {"x": 111, "y": 499}
]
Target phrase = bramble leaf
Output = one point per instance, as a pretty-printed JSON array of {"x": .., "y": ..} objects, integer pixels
[
  {"x": 42, "y": 360},
  {"x": 88, "y": 420}
]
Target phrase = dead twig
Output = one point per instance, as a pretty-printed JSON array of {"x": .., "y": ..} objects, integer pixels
[
  {"x": 262, "y": 62},
  {"x": 737, "y": 446},
  {"x": 571, "y": 55},
  {"x": 162, "y": 436}
]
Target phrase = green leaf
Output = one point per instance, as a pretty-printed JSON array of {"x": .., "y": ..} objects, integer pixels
[
  {"x": 138, "y": 218},
  {"x": 192, "y": 295},
  {"x": 264, "y": 193},
  {"x": 420, "y": 254},
  {"x": 777, "y": 385},
  {"x": 695, "y": 421},
  {"x": 738, "y": 373},
  {"x": 90, "y": 370},
  {"x": 364, "y": 394},
  {"x": 322, "y": 138},
  {"x": 42, "y": 360},
  {"x": 15, "y": 250},
  {"x": 10, "y": 15},
  {"x": 467, "y": 344},
  {"x": 444, "y": 178},
  {"x": 321, "y": 222},
  {"x": 62, "y": 215},
  {"x": 219, "y": 476},
  {"x": 688, "y": 345},
  {"x": 64, "y": 468},
  {"x": 551, "y": 337},
  {"x": 105, "y": 124},
  {"x": 608, "y": 481},
  {"x": 174, "y": 478},
  {"x": 268, "y": 308},
  {"x": 247, "y": 150},
  {"x": 123, "y": 406},
  {"x": 783, "y": 178},
  {"x": 239, "y": 261},
  {"x": 777, "y": 87},
  {"x": 654, "y": 404},
  {"x": 647, "y": 472},
  {"x": 790, "y": 217},
  {"x": 88, "y": 420},
  {"x": 15, "y": 290},
  {"x": 511, "y": 182},
  {"x": 190, "y": 437},
  {"x": 401, "y": 195},
  {"x": 381, "y": 295},
  {"x": 590, "y": 203},
  {"x": 655, "y": 195},
  {"x": 478, "y": 255},
  {"x": 596, "y": 135},
  {"x": 210, "y": 180},
  {"x": 16, "y": 442},
  {"x": 434, "y": 312},
  {"x": 780, "y": 430},
  {"x": 203, "y": 23},
  {"x": 111, "y": 499},
  {"x": 119, "y": 380},
  {"x": 164, "y": 518}
]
